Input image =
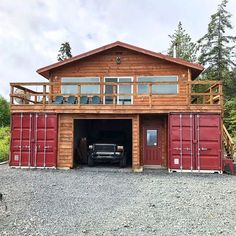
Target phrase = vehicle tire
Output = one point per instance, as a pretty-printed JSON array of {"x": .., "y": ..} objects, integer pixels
[
  {"x": 123, "y": 162},
  {"x": 90, "y": 161}
]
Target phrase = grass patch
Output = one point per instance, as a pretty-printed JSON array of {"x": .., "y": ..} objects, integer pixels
[{"x": 4, "y": 143}]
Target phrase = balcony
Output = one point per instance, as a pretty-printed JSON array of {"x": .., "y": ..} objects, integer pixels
[{"x": 108, "y": 97}]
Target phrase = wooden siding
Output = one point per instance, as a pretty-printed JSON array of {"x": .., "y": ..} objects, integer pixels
[
  {"x": 65, "y": 141},
  {"x": 66, "y": 138},
  {"x": 133, "y": 64}
]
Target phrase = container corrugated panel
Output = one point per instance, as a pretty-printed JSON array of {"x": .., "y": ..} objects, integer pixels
[
  {"x": 195, "y": 142},
  {"x": 33, "y": 140}
]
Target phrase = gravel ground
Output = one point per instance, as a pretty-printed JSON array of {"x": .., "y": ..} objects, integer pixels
[{"x": 111, "y": 201}]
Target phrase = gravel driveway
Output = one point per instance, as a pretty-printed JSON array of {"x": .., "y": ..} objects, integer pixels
[{"x": 111, "y": 201}]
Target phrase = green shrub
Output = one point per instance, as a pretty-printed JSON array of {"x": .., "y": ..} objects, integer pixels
[{"x": 4, "y": 143}]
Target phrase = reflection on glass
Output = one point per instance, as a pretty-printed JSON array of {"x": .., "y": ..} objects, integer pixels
[
  {"x": 152, "y": 137},
  {"x": 85, "y": 89},
  {"x": 158, "y": 88}
]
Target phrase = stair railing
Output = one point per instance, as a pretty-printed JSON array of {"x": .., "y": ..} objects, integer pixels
[{"x": 228, "y": 142}]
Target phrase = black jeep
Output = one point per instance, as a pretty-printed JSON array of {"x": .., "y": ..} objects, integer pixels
[{"x": 109, "y": 148}]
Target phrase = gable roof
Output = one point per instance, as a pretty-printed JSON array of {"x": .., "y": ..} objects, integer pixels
[{"x": 195, "y": 68}]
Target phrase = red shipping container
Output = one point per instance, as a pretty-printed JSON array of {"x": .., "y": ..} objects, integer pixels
[
  {"x": 33, "y": 140},
  {"x": 195, "y": 142}
]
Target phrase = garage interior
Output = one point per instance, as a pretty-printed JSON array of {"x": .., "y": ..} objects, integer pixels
[{"x": 89, "y": 131}]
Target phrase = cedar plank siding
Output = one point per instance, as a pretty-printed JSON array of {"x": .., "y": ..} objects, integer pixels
[{"x": 132, "y": 64}]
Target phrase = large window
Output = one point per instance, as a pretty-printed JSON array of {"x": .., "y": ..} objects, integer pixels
[
  {"x": 158, "y": 88},
  {"x": 120, "y": 89},
  {"x": 84, "y": 89}
]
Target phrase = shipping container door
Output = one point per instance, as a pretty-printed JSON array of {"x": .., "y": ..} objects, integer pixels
[
  {"x": 21, "y": 139},
  {"x": 33, "y": 140},
  {"x": 45, "y": 140},
  {"x": 181, "y": 149},
  {"x": 208, "y": 145}
]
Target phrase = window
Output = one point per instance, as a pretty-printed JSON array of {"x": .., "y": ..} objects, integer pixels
[
  {"x": 84, "y": 89},
  {"x": 151, "y": 137},
  {"x": 158, "y": 88},
  {"x": 119, "y": 89}
]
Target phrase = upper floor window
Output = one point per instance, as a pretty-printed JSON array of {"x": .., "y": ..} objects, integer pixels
[
  {"x": 123, "y": 88},
  {"x": 158, "y": 88},
  {"x": 84, "y": 89}
]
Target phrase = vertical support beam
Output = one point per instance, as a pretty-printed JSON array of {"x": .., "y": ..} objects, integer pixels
[{"x": 136, "y": 157}]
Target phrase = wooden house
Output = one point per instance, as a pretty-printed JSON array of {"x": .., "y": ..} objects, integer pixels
[{"x": 170, "y": 119}]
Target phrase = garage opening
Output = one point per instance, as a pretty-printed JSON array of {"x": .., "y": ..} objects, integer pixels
[{"x": 103, "y": 142}]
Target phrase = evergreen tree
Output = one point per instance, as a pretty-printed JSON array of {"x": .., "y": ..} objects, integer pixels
[
  {"x": 216, "y": 48},
  {"x": 185, "y": 48},
  {"x": 230, "y": 116},
  {"x": 64, "y": 52},
  {"x": 4, "y": 112}
]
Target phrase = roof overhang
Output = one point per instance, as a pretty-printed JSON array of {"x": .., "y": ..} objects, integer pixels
[{"x": 196, "y": 69}]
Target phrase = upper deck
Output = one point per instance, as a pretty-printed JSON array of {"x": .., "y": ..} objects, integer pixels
[{"x": 122, "y": 97}]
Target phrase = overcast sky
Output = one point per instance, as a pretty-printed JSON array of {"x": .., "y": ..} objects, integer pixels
[{"x": 31, "y": 31}]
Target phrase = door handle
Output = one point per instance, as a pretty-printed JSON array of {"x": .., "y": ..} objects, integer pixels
[
  {"x": 178, "y": 149},
  {"x": 187, "y": 149},
  {"x": 203, "y": 149}
]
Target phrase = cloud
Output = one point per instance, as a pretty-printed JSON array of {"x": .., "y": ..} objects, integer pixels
[{"x": 31, "y": 31}]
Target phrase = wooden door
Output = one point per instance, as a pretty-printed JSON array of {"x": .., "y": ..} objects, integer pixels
[{"x": 152, "y": 145}]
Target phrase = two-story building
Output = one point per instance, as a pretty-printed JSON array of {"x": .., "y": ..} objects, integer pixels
[{"x": 168, "y": 118}]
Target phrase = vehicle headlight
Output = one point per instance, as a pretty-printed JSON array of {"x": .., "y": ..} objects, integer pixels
[
  {"x": 120, "y": 148},
  {"x": 90, "y": 146}
]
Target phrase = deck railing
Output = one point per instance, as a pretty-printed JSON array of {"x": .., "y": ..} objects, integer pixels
[
  {"x": 228, "y": 143},
  {"x": 40, "y": 93}
]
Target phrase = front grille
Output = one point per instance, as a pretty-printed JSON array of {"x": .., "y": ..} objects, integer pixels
[{"x": 104, "y": 147}]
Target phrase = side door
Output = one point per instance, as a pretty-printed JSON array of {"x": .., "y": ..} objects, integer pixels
[{"x": 151, "y": 145}]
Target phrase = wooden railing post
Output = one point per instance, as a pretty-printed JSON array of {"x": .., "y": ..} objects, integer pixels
[
  {"x": 150, "y": 94},
  {"x": 11, "y": 97},
  {"x": 220, "y": 93},
  {"x": 44, "y": 94},
  {"x": 211, "y": 96},
  {"x": 114, "y": 95},
  {"x": 78, "y": 93}
]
